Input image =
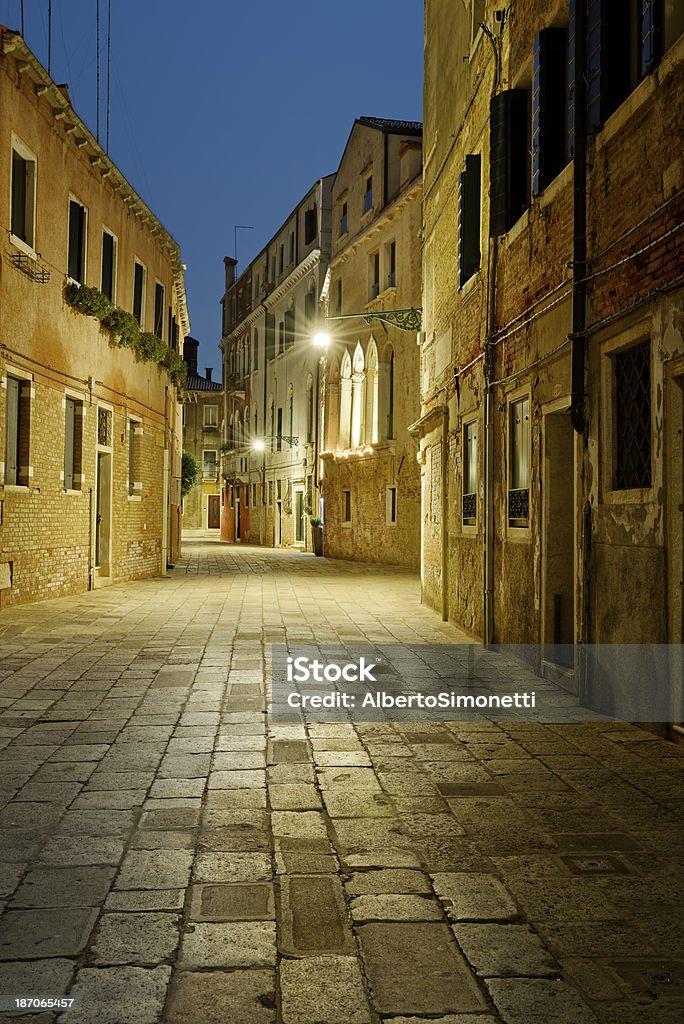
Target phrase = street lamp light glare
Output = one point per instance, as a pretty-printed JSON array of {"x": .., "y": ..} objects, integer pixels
[
  {"x": 321, "y": 339},
  {"x": 258, "y": 446}
]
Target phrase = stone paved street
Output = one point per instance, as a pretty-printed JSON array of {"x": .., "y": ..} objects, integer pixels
[{"x": 169, "y": 853}]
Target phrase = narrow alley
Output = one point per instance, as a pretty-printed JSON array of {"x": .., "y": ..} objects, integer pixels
[{"x": 169, "y": 853}]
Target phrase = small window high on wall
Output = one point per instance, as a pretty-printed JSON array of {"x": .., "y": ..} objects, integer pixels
[
  {"x": 78, "y": 218},
  {"x": 22, "y": 218}
]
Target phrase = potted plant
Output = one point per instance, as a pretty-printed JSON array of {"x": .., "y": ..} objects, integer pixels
[{"x": 317, "y": 535}]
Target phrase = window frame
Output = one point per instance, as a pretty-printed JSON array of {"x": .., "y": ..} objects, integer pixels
[
  {"x": 468, "y": 469},
  {"x": 205, "y": 452},
  {"x": 205, "y": 420},
  {"x": 391, "y": 505},
  {"x": 75, "y": 471},
  {"x": 30, "y": 205},
  {"x": 159, "y": 290},
  {"x": 346, "y": 507},
  {"x": 74, "y": 200},
  {"x": 518, "y": 527},
  {"x": 135, "y": 433},
  {"x": 137, "y": 262},
  {"x": 115, "y": 263},
  {"x": 22, "y": 429}
]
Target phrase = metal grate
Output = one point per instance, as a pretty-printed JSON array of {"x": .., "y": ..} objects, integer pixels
[
  {"x": 518, "y": 504},
  {"x": 469, "y": 508},
  {"x": 31, "y": 267},
  {"x": 633, "y": 417},
  {"x": 104, "y": 427}
]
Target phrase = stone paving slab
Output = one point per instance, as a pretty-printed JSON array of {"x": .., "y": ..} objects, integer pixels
[{"x": 241, "y": 869}]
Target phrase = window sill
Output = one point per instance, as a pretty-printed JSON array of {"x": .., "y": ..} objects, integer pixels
[
  {"x": 24, "y": 247},
  {"x": 469, "y": 529},
  {"x": 519, "y": 534},
  {"x": 467, "y": 286},
  {"x": 346, "y": 526},
  {"x": 628, "y": 496},
  {"x": 17, "y": 488},
  {"x": 135, "y": 497},
  {"x": 555, "y": 187},
  {"x": 72, "y": 491}
]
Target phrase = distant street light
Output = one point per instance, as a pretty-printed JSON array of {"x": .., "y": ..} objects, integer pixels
[{"x": 321, "y": 339}]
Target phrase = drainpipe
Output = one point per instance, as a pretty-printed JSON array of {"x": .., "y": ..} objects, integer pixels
[
  {"x": 490, "y": 321},
  {"x": 445, "y": 512}
]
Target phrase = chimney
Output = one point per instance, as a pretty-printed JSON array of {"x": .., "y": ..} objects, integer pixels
[
  {"x": 190, "y": 347},
  {"x": 230, "y": 264},
  {"x": 207, "y": 372}
]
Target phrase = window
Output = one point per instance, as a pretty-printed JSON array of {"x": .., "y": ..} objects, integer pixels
[
  {"x": 209, "y": 464},
  {"x": 139, "y": 278},
  {"x": 309, "y": 306},
  {"x": 270, "y": 336},
  {"x": 368, "y": 195},
  {"x": 23, "y": 194},
  {"x": 338, "y": 296},
  {"x": 309, "y": 409},
  {"x": 310, "y": 226},
  {"x": 159, "y": 303},
  {"x": 17, "y": 432},
  {"x": 548, "y": 107},
  {"x": 246, "y": 495},
  {"x": 270, "y": 492},
  {"x": 373, "y": 275},
  {"x": 519, "y": 465},
  {"x": 292, "y": 247},
  {"x": 391, "y": 264},
  {"x": 281, "y": 258},
  {"x": 232, "y": 496},
  {"x": 211, "y": 415},
  {"x": 279, "y": 433},
  {"x": 289, "y": 327},
  {"x": 346, "y": 507},
  {"x": 632, "y": 375},
  {"x": 343, "y": 218},
  {"x": 281, "y": 337},
  {"x": 109, "y": 254},
  {"x": 255, "y": 349},
  {"x": 470, "y": 473},
  {"x": 78, "y": 217},
  {"x": 509, "y": 158},
  {"x": 391, "y": 505},
  {"x": 73, "y": 444},
  {"x": 254, "y": 495},
  {"x": 135, "y": 431},
  {"x": 469, "y": 220}
]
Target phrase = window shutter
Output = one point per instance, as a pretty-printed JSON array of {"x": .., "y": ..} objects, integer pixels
[
  {"x": 69, "y": 435},
  {"x": 508, "y": 156},
  {"x": 309, "y": 226},
  {"x": 76, "y": 218},
  {"x": 571, "y": 82},
  {"x": 270, "y": 336},
  {"x": 651, "y": 29},
  {"x": 107, "y": 265},
  {"x": 548, "y": 99},
  {"x": 594, "y": 65},
  {"x": 469, "y": 220},
  {"x": 12, "y": 431},
  {"x": 19, "y": 188}
]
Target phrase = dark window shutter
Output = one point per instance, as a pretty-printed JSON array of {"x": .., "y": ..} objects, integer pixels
[
  {"x": 270, "y": 336},
  {"x": 651, "y": 34},
  {"x": 508, "y": 154},
  {"x": 69, "y": 434},
  {"x": 138, "y": 292},
  {"x": 469, "y": 220},
  {"x": 76, "y": 239},
  {"x": 159, "y": 310},
  {"x": 548, "y": 105},
  {"x": 12, "y": 431},
  {"x": 108, "y": 265},
  {"x": 19, "y": 184},
  {"x": 571, "y": 81},
  {"x": 595, "y": 100},
  {"x": 310, "y": 226}
]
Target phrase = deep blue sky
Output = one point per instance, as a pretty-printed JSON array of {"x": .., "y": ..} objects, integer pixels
[{"x": 225, "y": 112}]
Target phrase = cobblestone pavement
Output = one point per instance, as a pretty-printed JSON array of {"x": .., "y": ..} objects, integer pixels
[{"x": 168, "y": 853}]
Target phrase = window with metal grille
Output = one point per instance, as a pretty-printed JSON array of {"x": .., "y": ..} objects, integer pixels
[
  {"x": 519, "y": 464},
  {"x": 470, "y": 473},
  {"x": 632, "y": 370}
]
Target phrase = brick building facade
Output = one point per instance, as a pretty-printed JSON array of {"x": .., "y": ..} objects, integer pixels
[
  {"x": 371, "y": 481},
  {"x": 270, "y": 315},
  {"x": 553, "y": 358},
  {"x": 90, "y": 474},
  {"x": 202, "y": 426}
]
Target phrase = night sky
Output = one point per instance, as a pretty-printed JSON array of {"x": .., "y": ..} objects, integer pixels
[{"x": 225, "y": 113}]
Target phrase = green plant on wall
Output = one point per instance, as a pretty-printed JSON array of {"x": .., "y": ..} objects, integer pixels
[
  {"x": 124, "y": 327},
  {"x": 190, "y": 473}
]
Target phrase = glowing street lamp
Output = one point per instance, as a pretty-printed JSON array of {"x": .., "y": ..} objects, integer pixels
[
  {"x": 321, "y": 339},
  {"x": 258, "y": 445}
]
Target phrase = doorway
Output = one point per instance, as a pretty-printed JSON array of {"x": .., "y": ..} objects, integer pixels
[
  {"x": 558, "y": 545},
  {"x": 103, "y": 514},
  {"x": 213, "y": 512},
  {"x": 299, "y": 516}
]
